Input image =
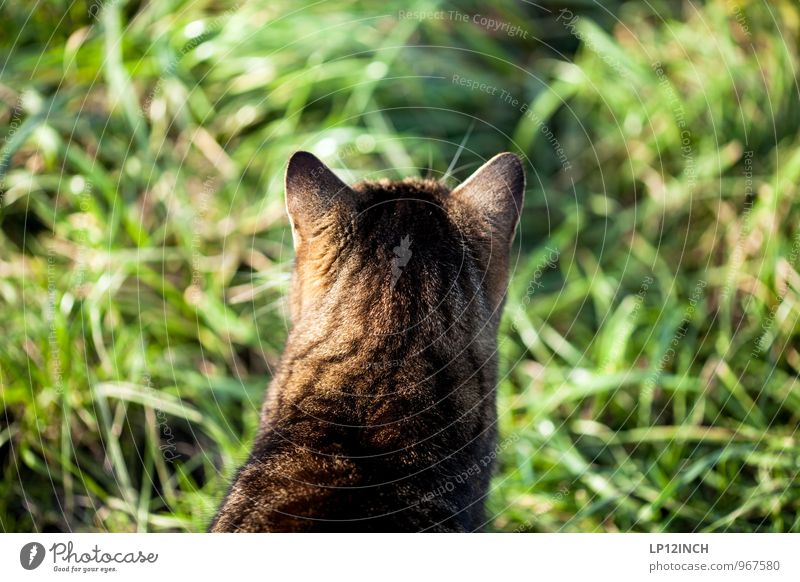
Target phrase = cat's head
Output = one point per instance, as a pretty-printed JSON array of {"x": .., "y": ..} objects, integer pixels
[{"x": 402, "y": 252}]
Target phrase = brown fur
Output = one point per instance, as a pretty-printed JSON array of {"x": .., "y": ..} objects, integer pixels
[{"x": 382, "y": 414}]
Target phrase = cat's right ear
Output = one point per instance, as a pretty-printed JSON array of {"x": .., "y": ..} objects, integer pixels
[
  {"x": 494, "y": 194},
  {"x": 313, "y": 192}
]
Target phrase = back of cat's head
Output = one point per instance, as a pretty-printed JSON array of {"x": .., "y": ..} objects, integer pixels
[{"x": 401, "y": 250}]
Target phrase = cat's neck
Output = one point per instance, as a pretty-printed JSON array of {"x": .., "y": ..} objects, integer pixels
[{"x": 365, "y": 350}]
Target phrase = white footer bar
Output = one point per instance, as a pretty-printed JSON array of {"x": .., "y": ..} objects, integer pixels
[{"x": 379, "y": 557}]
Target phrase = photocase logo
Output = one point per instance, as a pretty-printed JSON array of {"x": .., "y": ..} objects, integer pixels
[
  {"x": 402, "y": 254},
  {"x": 31, "y": 555}
]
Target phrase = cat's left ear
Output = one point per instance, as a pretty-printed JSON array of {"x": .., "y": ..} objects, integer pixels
[
  {"x": 313, "y": 192},
  {"x": 494, "y": 194}
]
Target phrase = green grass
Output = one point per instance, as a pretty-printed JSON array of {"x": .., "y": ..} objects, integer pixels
[{"x": 650, "y": 349}]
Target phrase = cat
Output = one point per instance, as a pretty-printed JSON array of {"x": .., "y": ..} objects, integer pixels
[{"x": 382, "y": 415}]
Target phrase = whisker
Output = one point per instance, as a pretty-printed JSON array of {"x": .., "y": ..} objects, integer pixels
[{"x": 458, "y": 152}]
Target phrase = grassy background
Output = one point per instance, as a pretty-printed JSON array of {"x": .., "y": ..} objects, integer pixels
[{"x": 650, "y": 345}]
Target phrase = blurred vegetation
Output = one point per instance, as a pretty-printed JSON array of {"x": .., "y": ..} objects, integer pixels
[{"x": 650, "y": 344}]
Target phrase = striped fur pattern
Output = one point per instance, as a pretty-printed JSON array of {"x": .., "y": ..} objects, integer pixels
[{"x": 382, "y": 413}]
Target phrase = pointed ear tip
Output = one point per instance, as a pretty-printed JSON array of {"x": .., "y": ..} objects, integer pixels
[
  {"x": 512, "y": 163},
  {"x": 301, "y": 165},
  {"x": 311, "y": 184},
  {"x": 302, "y": 154},
  {"x": 302, "y": 158},
  {"x": 509, "y": 159}
]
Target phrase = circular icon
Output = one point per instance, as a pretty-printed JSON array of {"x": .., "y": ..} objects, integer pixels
[{"x": 31, "y": 555}]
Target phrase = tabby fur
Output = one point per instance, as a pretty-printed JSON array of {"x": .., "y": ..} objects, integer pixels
[{"x": 382, "y": 414}]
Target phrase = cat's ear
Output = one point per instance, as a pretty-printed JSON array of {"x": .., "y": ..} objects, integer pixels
[
  {"x": 494, "y": 194},
  {"x": 313, "y": 192}
]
